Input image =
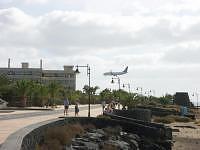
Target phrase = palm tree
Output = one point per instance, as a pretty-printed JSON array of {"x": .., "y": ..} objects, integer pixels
[
  {"x": 93, "y": 92},
  {"x": 106, "y": 95},
  {"x": 53, "y": 89},
  {"x": 86, "y": 89},
  {"x": 4, "y": 85},
  {"x": 40, "y": 94},
  {"x": 22, "y": 88},
  {"x": 31, "y": 90}
]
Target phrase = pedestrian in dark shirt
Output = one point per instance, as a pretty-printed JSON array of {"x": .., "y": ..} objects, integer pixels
[
  {"x": 66, "y": 106},
  {"x": 103, "y": 106},
  {"x": 76, "y": 109}
]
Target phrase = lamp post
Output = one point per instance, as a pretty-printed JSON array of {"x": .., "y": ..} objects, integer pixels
[
  {"x": 197, "y": 96},
  {"x": 118, "y": 79},
  {"x": 146, "y": 93},
  {"x": 112, "y": 81},
  {"x": 149, "y": 94},
  {"x": 124, "y": 85},
  {"x": 88, "y": 74},
  {"x": 153, "y": 93},
  {"x": 139, "y": 89}
]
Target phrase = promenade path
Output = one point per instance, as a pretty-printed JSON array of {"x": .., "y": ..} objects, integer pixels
[{"x": 13, "y": 121}]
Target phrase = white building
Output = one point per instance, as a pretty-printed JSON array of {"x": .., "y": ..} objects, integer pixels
[{"x": 65, "y": 77}]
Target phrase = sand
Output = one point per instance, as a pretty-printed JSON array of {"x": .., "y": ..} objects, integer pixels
[{"x": 188, "y": 137}]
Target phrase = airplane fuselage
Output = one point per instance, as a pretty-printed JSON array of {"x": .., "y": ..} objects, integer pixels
[{"x": 116, "y": 73}]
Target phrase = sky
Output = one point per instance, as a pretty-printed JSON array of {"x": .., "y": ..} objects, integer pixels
[{"x": 159, "y": 40}]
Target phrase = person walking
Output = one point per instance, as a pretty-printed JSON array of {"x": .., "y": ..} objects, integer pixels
[
  {"x": 76, "y": 109},
  {"x": 66, "y": 106},
  {"x": 103, "y": 104}
]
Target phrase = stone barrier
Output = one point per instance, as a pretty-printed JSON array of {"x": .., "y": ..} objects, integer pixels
[
  {"x": 160, "y": 112},
  {"x": 137, "y": 113},
  {"x": 159, "y": 132},
  {"x": 28, "y": 137}
]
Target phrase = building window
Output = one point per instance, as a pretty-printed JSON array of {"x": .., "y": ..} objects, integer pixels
[{"x": 11, "y": 73}]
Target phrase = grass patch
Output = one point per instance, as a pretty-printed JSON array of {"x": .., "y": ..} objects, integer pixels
[
  {"x": 104, "y": 117},
  {"x": 166, "y": 120},
  {"x": 197, "y": 122},
  {"x": 182, "y": 119},
  {"x": 172, "y": 118}
]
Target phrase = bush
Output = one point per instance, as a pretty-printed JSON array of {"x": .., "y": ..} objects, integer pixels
[
  {"x": 54, "y": 144},
  {"x": 62, "y": 135},
  {"x": 74, "y": 129},
  {"x": 58, "y": 133},
  {"x": 89, "y": 126}
]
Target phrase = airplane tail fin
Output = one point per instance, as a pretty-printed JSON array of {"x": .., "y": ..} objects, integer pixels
[{"x": 126, "y": 69}]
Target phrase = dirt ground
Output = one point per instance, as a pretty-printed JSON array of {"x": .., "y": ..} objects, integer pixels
[{"x": 188, "y": 137}]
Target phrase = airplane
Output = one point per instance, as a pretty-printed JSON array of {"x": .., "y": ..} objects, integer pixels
[{"x": 116, "y": 73}]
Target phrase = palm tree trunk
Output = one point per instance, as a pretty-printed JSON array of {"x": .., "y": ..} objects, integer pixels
[{"x": 23, "y": 101}]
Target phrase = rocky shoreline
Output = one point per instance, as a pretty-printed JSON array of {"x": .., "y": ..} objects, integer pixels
[{"x": 111, "y": 139}]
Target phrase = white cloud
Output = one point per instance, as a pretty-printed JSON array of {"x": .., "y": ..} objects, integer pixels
[
  {"x": 65, "y": 31},
  {"x": 155, "y": 47},
  {"x": 36, "y": 1},
  {"x": 187, "y": 53}
]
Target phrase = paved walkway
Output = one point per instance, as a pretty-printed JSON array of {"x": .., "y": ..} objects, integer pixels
[
  {"x": 31, "y": 113},
  {"x": 12, "y": 125}
]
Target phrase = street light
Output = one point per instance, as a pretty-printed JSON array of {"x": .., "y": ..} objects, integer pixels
[
  {"x": 124, "y": 85},
  {"x": 197, "y": 96},
  {"x": 148, "y": 92},
  {"x": 118, "y": 79},
  {"x": 153, "y": 93},
  {"x": 139, "y": 88},
  {"x": 88, "y": 74},
  {"x": 112, "y": 81}
]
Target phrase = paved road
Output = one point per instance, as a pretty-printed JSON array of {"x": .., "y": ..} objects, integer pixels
[
  {"x": 43, "y": 113},
  {"x": 11, "y": 122}
]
